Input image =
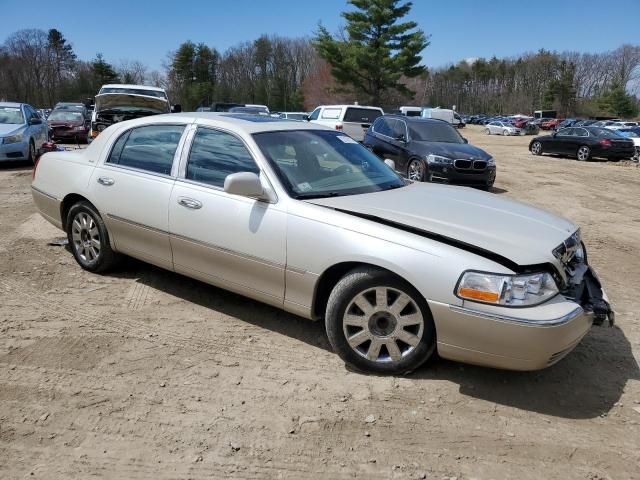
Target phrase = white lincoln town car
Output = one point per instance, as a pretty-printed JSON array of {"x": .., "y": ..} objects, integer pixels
[{"x": 305, "y": 218}]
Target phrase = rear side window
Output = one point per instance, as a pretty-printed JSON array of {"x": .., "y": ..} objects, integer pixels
[
  {"x": 361, "y": 115},
  {"x": 150, "y": 148},
  {"x": 215, "y": 155},
  {"x": 331, "y": 113}
]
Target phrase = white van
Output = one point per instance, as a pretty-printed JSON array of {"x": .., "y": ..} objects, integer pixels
[
  {"x": 411, "y": 111},
  {"x": 354, "y": 120},
  {"x": 445, "y": 114}
]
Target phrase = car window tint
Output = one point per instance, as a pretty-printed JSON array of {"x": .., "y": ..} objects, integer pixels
[
  {"x": 565, "y": 132},
  {"x": 215, "y": 155},
  {"x": 332, "y": 113},
  {"x": 399, "y": 128},
  {"x": 314, "y": 115},
  {"x": 114, "y": 156},
  {"x": 382, "y": 127},
  {"x": 150, "y": 148},
  {"x": 361, "y": 115}
]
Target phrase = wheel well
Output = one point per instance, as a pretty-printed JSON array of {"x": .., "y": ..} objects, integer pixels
[
  {"x": 67, "y": 203},
  {"x": 328, "y": 281}
]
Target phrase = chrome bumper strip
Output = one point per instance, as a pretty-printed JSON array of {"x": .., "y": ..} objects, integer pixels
[
  {"x": 45, "y": 194},
  {"x": 554, "y": 322}
]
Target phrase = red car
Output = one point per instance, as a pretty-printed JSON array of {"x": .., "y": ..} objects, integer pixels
[
  {"x": 551, "y": 124},
  {"x": 521, "y": 122},
  {"x": 68, "y": 126}
]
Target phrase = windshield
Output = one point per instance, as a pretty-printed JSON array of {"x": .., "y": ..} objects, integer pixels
[
  {"x": 434, "y": 132},
  {"x": 318, "y": 163},
  {"x": 66, "y": 116},
  {"x": 11, "y": 115},
  {"x": 134, "y": 91}
]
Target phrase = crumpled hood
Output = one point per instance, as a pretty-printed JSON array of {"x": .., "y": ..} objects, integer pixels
[
  {"x": 523, "y": 234},
  {"x": 451, "y": 150},
  {"x": 66, "y": 123},
  {"x": 9, "y": 128},
  {"x": 121, "y": 101}
]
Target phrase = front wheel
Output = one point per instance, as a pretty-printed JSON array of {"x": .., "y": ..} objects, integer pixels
[
  {"x": 416, "y": 170},
  {"x": 89, "y": 239},
  {"x": 505, "y": 132},
  {"x": 487, "y": 131},
  {"x": 536, "y": 148},
  {"x": 377, "y": 322},
  {"x": 583, "y": 153},
  {"x": 32, "y": 152}
]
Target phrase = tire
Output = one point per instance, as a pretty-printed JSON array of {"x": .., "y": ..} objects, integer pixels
[
  {"x": 583, "y": 153},
  {"x": 89, "y": 239},
  {"x": 416, "y": 170},
  {"x": 536, "y": 148},
  {"x": 505, "y": 133},
  {"x": 487, "y": 131},
  {"x": 372, "y": 338},
  {"x": 32, "y": 152}
]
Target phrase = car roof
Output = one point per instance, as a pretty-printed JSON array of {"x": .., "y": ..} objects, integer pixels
[
  {"x": 354, "y": 106},
  {"x": 128, "y": 85},
  {"x": 11, "y": 104},
  {"x": 242, "y": 122},
  {"x": 414, "y": 119}
]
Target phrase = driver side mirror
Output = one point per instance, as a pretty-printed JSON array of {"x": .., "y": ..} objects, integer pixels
[
  {"x": 35, "y": 121},
  {"x": 401, "y": 138},
  {"x": 390, "y": 163},
  {"x": 306, "y": 118},
  {"x": 176, "y": 108},
  {"x": 465, "y": 140},
  {"x": 245, "y": 184}
]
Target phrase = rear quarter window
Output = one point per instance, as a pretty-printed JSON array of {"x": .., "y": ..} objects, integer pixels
[{"x": 361, "y": 115}]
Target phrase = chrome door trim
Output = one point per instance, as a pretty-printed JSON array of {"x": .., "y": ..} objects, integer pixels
[
  {"x": 136, "y": 224},
  {"x": 45, "y": 194}
]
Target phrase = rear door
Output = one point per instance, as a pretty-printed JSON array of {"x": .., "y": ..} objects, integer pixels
[
  {"x": 131, "y": 188},
  {"x": 357, "y": 120}
]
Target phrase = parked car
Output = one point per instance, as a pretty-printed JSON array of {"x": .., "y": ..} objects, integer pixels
[
  {"x": 585, "y": 123},
  {"x": 118, "y": 102},
  {"x": 568, "y": 122},
  {"x": 74, "y": 106},
  {"x": 22, "y": 132},
  {"x": 409, "y": 111},
  {"x": 68, "y": 126},
  {"x": 293, "y": 115},
  {"x": 354, "y": 120},
  {"x": 632, "y": 134},
  {"x": 430, "y": 150},
  {"x": 306, "y": 219},
  {"x": 502, "y": 128},
  {"x": 620, "y": 125},
  {"x": 584, "y": 143},
  {"x": 449, "y": 116},
  {"x": 551, "y": 124},
  {"x": 521, "y": 122},
  {"x": 249, "y": 110}
]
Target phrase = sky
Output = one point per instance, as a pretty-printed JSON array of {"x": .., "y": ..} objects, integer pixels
[{"x": 460, "y": 29}]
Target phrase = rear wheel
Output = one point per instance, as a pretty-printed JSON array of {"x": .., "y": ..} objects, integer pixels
[
  {"x": 416, "y": 170},
  {"x": 377, "y": 322},
  {"x": 584, "y": 153},
  {"x": 89, "y": 239}
]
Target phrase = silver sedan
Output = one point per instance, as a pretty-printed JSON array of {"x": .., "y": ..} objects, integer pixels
[{"x": 305, "y": 218}]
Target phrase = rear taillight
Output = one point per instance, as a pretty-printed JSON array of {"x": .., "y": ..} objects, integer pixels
[
  {"x": 605, "y": 142},
  {"x": 339, "y": 126}
]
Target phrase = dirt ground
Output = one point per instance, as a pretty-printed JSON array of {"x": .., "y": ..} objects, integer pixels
[{"x": 143, "y": 373}]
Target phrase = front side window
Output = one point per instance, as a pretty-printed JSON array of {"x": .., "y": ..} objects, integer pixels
[
  {"x": 315, "y": 114},
  {"x": 215, "y": 155},
  {"x": 382, "y": 127},
  {"x": 324, "y": 163},
  {"x": 149, "y": 148}
]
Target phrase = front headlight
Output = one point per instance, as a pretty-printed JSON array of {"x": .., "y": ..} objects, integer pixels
[
  {"x": 13, "y": 138},
  {"x": 439, "y": 159},
  {"x": 491, "y": 161},
  {"x": 506, "y": 290}
]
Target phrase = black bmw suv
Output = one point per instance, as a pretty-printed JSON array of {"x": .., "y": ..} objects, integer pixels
[{"x": 426, "y": 149}]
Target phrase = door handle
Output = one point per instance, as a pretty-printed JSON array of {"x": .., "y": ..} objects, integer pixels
[
  {"x": 106, "y": 181},
  {"x": 190, "y": 203}
]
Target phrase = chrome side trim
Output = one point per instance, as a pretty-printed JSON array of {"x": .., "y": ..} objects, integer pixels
[
  {"x": 554, "y": 322},
  {"x": 45, "y": 194},
  {"x": 136, "y": 224}
]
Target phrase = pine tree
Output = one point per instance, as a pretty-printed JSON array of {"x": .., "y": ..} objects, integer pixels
[
  {"x": 378, "y": 51},
  {"x": 103, "y": 72}
]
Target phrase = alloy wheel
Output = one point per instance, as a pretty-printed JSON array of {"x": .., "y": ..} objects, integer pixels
[
  {"x": 383, "y": 324},
  {"x": 583, "y": 153},
  {"x": 86, "y": 237},
  {"x": 416, "y": 171},
  {"x": 536, "y": 148}
]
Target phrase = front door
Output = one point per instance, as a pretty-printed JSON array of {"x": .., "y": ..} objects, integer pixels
[
  {"x": 133, "y": 186},
  {"x": 234, "y": 242}
]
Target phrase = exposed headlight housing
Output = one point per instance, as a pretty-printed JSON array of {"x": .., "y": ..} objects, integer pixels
[
  {"x": 507, "y": 290},
  {"x": 438, "y": 159},
  {"x": 491, "y": 161},
  {"x": 13, "y": 138}
]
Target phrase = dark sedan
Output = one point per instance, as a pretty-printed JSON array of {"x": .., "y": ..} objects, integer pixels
[
  {"x": 430, "y": 150},
  {"x": 68, "y": 125},
  {"x": 584, "y": 143}
]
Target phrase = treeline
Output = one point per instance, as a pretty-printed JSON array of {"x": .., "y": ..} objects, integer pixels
[
  {"x": 572, "y": 83},
  {"x": 41, "y": 68}
]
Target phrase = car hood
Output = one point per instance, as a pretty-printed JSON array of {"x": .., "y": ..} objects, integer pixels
[
  {"x": 122, "y": 101},
  {"x": 451, "y": 150},
  {"x": 9, "y": 128},
  {"x": 67, "y": 123},
  {"x": 516, "y": 231}
]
